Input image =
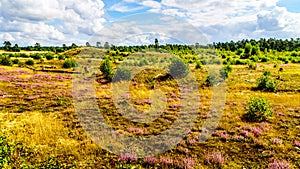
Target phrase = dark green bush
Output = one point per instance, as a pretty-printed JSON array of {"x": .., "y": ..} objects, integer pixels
[
  {"x": 177, "y": 68},
  {"x": 106, "y": 69},
  {"x": 29, "y": 62},
  {"x": 61, "y": 57},
  {"x": 239, "y": 62},
  {"x": 69, "y": 63},
  {"x": 265, "y": 83},
  {"x": 258, "y": 109},
  {"x": 15, "y": 61},
  {"x": 5, "y": 61},
  {"x": 49, "y": 56},
  {"x": 198, "y": 65},
  {"x": 36, "y": 56},
  {"x": 265, "y": 59}
]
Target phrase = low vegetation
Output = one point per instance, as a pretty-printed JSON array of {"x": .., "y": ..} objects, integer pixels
[{"x": 260, "y": 124}]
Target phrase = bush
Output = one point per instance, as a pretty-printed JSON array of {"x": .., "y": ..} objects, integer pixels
[
  {"x": 224, "y": 72},
  {"x": 265, "y": 59},
  {"x": 252, "y": 65},
  {"x": 254, "y": 58},
  {"x": 70, "y": 63},
  {"x": 198, "y": 65},
  {"x": 106, "y": 69},
  {"x": 49, "y": 56},
  {"x": 122, "y": 75},
  {"x": 5, "y": 61},
  {"x": 212, "y": 79},
  {"x": 178, "y": 69},
  {"x": 36, "y": 56},
  {"x": 61, "y": 57},
  {"x": 15, "y": 61},
  {"x": 240, "y": 62},
  {"x": 265, "y": 83},
  {"x": 258, "y": 109},
  {"x": 29, "y": 62}
]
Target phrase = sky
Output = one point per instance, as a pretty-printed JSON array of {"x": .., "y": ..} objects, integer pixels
[{"x": 57, "y": 22}]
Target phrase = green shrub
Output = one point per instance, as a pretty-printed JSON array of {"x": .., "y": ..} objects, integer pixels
[
  {"x": 265, "y": 59},
  {"x": 61, "y": 57},
  {"x": 122, "y": 75},
  {"x": 224, "y": 72},
  {"x": 15, "y": 61},
  {"x": 106, "y": 69},
  {"x": 258, "y": 109},
  {"x": 265, "y": 83},
  {"x": 29, "y": 62},
  {"x": 198, "y": 65},
  {"x": 49, "y": 56},
  {"x": 251, "y": 65},
  {"x": 240, "y": 62},
  {"x": 294, "y": 54},
  {"x": 69, "y": 63},
  {"x": 212, "y": 80},
  {"x": 36, "y": 56},
  {"x": 5, "y": 61},
  {"x": 177, "y": 68}
]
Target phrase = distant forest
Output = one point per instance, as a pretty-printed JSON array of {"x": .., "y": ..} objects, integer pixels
[{"x": 245, "y": 45}]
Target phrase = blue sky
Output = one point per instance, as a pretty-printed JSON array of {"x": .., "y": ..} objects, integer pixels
[{"x": 57, "y": 22}]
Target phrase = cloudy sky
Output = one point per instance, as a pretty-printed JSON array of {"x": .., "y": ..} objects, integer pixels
[{"x": 57, "y": 22}]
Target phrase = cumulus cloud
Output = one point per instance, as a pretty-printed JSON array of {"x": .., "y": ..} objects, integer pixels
[{"x": 50, "y": 21}]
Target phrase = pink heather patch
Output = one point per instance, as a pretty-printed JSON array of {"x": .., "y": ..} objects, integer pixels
[
  {"x": 188, "y": 163},
  {"x": 175, "y": 106},
  {"x": 137, "y": 131},
  {"x": 256, "y": 131},
  {"x": 279, "y": 165},
  {"x": 214, "y": 158},
  {"x": 224, "y": 136},
  {"x": 192, "y": 141},
  {"x": 147, "y": 101},
  {"x": 238, "y": 138},
  {"x": 277, "y": 141},
  {"x": 296, "y": 143},
  {"x": 166, "y": 160},
  {"x": 244, "y": 133},
  {"x": 151, "y": 160},
  {"x": 264, "y": 126},
  {"x": 280, "y": 114},
  {"x": 127, "y": 157}
]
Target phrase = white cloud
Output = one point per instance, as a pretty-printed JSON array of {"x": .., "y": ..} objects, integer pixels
[
  {"x": 50, "y": 21},
  {"x": 122, "y": 7}
]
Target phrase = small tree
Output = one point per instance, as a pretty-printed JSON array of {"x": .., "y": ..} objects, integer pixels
[
  {"x": 106, "y": 69},
  {"x": 178, "y": 68},
  {"x": 258, "y": 109}
]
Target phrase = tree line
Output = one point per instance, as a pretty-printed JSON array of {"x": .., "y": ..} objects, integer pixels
[{"x": 262, "y": 44}]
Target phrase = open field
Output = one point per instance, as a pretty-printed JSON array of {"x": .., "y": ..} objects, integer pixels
[{"x": 41, "y": 129}]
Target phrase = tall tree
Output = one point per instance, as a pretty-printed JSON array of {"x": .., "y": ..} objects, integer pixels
[
  {"x": 156, "y": 44},
  {"x": 7, "y": 45},
  {"x": 98, "y": 44}
]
